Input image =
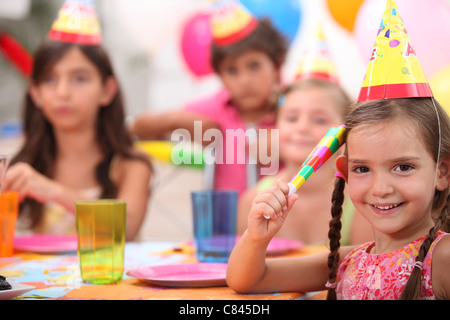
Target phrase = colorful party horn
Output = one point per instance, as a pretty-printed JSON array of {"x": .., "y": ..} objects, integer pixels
[{"x": 327, "y": 146}]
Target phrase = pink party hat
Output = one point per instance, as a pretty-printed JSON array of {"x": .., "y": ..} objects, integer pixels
[
  {"x": 77, "y": 22},
  {"x": 394, "y": 71},
  {"x": 316, "y": 61},
  {"x": 230, "y": 22}
]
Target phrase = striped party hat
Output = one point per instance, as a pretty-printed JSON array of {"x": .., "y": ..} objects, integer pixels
[
  {"x": 77, "y": 22},
  {"x": 316, "y": 61},
  {"x": 394, "y": 71},
  {"x": 230, "y": 22}
]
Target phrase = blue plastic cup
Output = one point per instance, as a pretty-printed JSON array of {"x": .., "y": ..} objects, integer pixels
[{"x": 214, "y": 220}]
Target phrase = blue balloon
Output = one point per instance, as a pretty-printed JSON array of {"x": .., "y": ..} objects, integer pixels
[{"x": 286, "y": 15}]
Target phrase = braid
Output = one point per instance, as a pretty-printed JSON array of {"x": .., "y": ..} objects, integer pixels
[
  {"x": 413, "y": 287},
  {"x": 334, "y": 234}
]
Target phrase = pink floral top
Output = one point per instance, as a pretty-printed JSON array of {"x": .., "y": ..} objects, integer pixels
[{"x": 365, "y": 276}]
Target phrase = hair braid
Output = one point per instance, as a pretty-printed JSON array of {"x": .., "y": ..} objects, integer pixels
[
  {"x": 413, "y": 287},
  {"x": 334, "y": 234}
]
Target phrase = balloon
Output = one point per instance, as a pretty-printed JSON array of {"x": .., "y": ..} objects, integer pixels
[
  {"x": 195, "y": 43},
  {"x": 286, "y": 15},
  {"x": 427, "y": 23},
  {"x": 344, "y": 12},
  {"x": 440, "y": 85}
]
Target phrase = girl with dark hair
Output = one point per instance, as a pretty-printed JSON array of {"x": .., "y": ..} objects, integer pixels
[{"x": 75, "y": 145}]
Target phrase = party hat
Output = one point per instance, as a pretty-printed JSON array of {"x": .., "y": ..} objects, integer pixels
[
  {"x": 394, "y": 71},
  {"x": 230, "y": 22},
  {"x": 77, "y": 23},
  {"x": 316, "y": 61}
]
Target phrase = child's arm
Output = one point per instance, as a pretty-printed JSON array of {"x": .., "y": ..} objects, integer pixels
[
  {"x": 249, "y": 271},
  {"x": 156, "y": 126},
  {"x": 439, "y": 271}
]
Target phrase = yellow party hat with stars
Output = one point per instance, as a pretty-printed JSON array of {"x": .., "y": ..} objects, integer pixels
[
  {"x": 316, "y": 61},
  {"x": 394, "y": 71},
  {"x": 77, "y": 22},
  {"x": 230, "y": 22}
]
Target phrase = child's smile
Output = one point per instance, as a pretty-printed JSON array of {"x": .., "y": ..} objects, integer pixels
[{"x": 390, "y": 175}]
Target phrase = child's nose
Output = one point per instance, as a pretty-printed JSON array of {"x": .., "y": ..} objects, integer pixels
[
  {"x": 62, "y": 88},
  {"x": 381, "y": 185}
]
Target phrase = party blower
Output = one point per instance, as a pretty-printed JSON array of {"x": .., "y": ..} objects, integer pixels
[{"x": 328, "y": 145}]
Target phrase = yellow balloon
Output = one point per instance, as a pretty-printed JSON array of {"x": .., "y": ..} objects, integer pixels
[
  {"x": 440, "y": 85},
  {"x": 344, "y": 12}
]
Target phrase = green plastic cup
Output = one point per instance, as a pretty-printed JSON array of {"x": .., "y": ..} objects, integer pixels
[{"x": 101, "y": 239}]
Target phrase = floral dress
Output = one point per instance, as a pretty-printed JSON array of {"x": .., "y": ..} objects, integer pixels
[{"x": 365, "y": 276}]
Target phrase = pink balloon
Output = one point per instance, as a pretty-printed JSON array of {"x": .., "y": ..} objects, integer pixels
[
  {"x": 195, "y": 44},
  {"x": 427, "y": 23}
]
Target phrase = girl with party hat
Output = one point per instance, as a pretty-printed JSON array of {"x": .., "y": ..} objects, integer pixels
[
  {"x": 307, "y": 107},
  {"x": 247, "y": 54},
  {"x": 396, "y": 168},
  {"x": 75, "y": 143}
]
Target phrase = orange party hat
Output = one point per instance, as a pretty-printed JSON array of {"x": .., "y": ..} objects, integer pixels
[
  {"x": 77, "y": 22},
  {"x": 316, "y": 61},
  {"x": 394, "y": 71},
  {"x": 230, "y": 22}
]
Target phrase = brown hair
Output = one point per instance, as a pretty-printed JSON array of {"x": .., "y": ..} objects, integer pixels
[
  {"x": 264, "y": 38},
  {"x": 422, "y": 113},
  {"x": 39, "y": 148}
]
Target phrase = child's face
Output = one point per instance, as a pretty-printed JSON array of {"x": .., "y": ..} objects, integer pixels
[
  {"x": 250, "y": 78},
  {"x": 303, "y": 120},
  {"x": 72, "y": 93},
  {"x": 391, "y": 177}
]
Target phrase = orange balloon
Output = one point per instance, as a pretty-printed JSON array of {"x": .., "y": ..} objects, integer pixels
[{"x": 344, "y": 12}]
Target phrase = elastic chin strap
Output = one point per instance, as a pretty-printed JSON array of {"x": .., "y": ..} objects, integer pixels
[{"x": 439, "y": 148}]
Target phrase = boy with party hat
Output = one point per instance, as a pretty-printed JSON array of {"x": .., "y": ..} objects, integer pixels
[
  {"x": 75, "y": 143},
  {"x": 247, "y": 54},
  {"x": 397, "y": 168}
]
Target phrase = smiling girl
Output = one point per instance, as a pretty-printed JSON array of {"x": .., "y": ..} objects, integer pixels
[{"x": 397, "y": 168}]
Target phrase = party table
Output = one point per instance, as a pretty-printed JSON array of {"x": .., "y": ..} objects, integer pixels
[{"x": 57, "y": 276}]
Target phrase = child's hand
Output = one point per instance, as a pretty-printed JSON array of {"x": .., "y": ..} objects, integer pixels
[
  {"x": 29, "y": 183},
  {"x": 273, "y": 203}
]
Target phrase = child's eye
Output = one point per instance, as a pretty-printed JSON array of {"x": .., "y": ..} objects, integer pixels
[
  {"x": 319, "y": 121},
  {"x": 254, "y": 66},
  {"x": 79, "y": 79},
  {"x": 231, "y": 71},
  {"x": 404, "y": 167},
  {"x": 49, "y": 80},
  {"x": 361, "y": 169}
]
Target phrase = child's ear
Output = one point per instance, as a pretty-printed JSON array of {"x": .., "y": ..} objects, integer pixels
[
  {"x": 110, "y": 89},
  {"x": 443, "y": 174},
  {"x": 35, "y": 95},
  {"x": 341, "y": 166}
]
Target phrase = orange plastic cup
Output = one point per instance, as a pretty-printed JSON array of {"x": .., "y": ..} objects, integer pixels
[{"x": 9, "y": 208}]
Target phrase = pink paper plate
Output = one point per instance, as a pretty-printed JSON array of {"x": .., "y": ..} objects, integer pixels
[
  {"x": 194, "y": 275},
  {"x": 46, "y": 243},
  {"x": 276, "y": 246},
  {"x": 280, "y": 246}
]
